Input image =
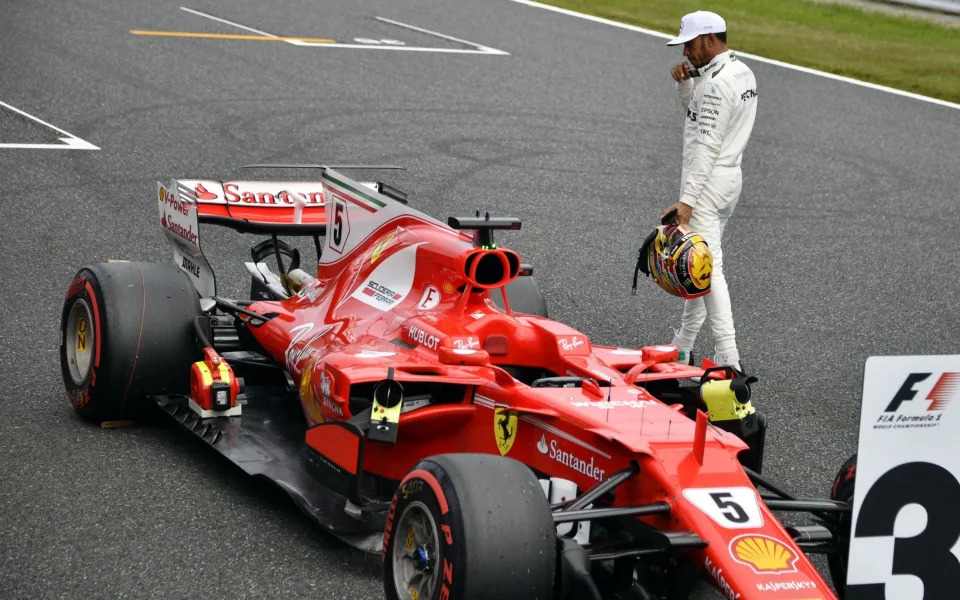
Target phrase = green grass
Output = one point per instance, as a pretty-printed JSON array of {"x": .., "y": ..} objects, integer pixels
[{"x": 900, "y": 52}]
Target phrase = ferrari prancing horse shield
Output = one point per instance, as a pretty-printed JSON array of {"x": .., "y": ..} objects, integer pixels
[{"x": 504, "y": 429}]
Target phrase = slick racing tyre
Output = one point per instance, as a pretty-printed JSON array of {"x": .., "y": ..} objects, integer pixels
[
  {"x": 469, "y": 527},
  {"x": 524, "y": 295},
  {"x": 126, "y": 332},
  {"x": 842, "y": 491}
]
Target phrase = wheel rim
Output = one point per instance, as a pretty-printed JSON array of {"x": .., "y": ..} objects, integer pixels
[
  {"x": 414, "y": 556},
  {"x": 80, "y": 341}
]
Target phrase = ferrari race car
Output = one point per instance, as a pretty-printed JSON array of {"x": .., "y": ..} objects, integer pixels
[{"x": 413, "y": 397}]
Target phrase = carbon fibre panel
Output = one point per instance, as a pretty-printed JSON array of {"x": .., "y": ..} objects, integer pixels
[{"x": 267, "y": 441}]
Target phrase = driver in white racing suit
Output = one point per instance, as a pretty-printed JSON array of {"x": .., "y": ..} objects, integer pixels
[{"x": 720, "y": 96}]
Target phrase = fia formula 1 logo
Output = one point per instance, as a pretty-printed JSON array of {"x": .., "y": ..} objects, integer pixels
[{"x": 920, "y": 401}]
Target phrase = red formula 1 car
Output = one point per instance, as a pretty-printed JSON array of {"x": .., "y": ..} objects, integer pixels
[{"x": 412, "y": 396}]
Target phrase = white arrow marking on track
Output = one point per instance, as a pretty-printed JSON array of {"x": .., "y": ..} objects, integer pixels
[{"x": 70, "y": 141}]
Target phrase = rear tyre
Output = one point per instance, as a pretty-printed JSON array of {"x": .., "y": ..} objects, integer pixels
[
  {"x": 471, "y": 527},
  {"x": 524, "y": 295},
  {"x": 126, "y": 333},
  {"x": 842, "y": 491}
]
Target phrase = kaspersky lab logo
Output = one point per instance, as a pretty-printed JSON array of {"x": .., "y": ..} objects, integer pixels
[{"x": 910, "y": 407}]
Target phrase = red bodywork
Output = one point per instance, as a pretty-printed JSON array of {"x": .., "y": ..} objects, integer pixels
[{"x": 396, "y": 289}]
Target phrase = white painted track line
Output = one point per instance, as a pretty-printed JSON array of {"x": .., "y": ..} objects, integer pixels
[
  {"x": 296, "y": 42},
  {"x": 226, "y": 22},
  {"x": 778, "y": 63},
  {"x": 486, "y": 49},
  {"x": 479, "y": 49},
  {"x": 70, "y": 141}
]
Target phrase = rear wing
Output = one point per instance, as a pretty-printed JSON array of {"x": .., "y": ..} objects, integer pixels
[
  {"x": 267, "y": 207},
  {"x": 181, "y": 225},
  {"x": 270, "y": 207},
  {"x": 273, "y": 207}
]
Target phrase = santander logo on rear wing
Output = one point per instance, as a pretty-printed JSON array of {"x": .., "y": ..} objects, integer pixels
[
  {"x": 181, "y": 226},
  {"x": 268, "y": 207},
  {"x": 284, "y": 207},
  {"x": 259, "y": 205}
]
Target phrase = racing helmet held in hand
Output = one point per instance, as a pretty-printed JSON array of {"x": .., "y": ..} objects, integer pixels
[{"x": 678, "y": 259}]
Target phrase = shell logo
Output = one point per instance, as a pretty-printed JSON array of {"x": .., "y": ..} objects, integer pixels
[
  {"x": 763, "y": 554},
  {"x": 308, "y": 397}
]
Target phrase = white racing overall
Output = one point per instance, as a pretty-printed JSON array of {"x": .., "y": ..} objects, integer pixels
[{"x": 721, "y": 106}]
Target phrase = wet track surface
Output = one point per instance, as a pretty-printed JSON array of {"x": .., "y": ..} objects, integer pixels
[{"x": 840, "y": 248}]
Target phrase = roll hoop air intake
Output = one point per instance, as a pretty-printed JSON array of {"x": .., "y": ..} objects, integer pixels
[{"x": 487, "y": 269}]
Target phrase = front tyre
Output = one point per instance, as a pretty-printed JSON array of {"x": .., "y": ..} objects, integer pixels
[
  {"x": 470, "y": 527},
  {"x": 126, "y": 334},
  {"x": 842, "y": 491}
]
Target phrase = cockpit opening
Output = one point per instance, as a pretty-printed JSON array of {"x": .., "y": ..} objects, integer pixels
[{"x": 527, "y": 375}]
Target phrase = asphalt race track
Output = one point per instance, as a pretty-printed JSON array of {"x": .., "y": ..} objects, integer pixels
[{"x": 844, "y": 244}]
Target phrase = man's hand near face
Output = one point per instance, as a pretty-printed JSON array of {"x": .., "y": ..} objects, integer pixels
[{"x": 680, "y": 72}]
